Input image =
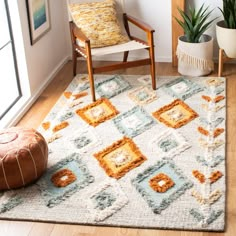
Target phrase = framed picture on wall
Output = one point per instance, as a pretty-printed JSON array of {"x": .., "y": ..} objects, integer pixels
[{"x": 39, "y": 18}]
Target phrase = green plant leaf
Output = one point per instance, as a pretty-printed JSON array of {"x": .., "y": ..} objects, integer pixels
[
  {"x": 229, "y": 13},
  {"x": 195, "y": 22},
  {"x": 182, "y": 24},
  {"x": 186, "y": 19}
]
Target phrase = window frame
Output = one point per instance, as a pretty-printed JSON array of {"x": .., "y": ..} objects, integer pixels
[{"x": 14, "y": 61}]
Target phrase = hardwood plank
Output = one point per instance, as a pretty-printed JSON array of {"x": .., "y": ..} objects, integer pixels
[
  {"x": 39, "y": 229},
  {"x": 46, "y": 101},
  {"x": 64, "y": 230},
  {"x": 13, "y": 228}
]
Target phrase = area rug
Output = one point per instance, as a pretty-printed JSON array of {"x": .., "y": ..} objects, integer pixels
[{"x": 134, "y": 158}]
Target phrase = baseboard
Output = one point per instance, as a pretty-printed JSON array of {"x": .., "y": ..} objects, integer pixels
[{"x": 29, "y": 102}]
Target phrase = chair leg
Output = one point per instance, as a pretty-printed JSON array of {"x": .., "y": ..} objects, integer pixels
[
  {"x": 125, "y": 58},
  {"x": 220, "y": 63},
  {"x": 152, "y": 67},
  {"x": 74, "y": 60},
  {"x": 91, "y": 78}
]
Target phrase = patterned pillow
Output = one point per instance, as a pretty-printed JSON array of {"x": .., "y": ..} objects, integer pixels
[{"x": 98, "y": 22}]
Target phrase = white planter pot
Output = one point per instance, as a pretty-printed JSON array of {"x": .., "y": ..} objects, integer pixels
[
  {"x": 226, "y": 39},
  {"x": 195, "y": 59}
]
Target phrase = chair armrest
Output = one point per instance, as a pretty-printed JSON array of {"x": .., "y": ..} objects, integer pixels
[
  {"x": 140, "y": 24},
  {"x": 78, "y": 33}
]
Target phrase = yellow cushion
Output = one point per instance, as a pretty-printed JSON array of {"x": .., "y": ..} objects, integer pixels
[{"x": 98, "y": 22}]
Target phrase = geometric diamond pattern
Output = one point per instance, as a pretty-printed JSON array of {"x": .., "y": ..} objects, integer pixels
[
  {"x": 175, "y": 114},
  {"x": 84, "y": 140},
  {"x": 168, "y": 143},
  {"x": 97, "y": 112},
  {"x": 120, "y": 158},
  {"x": 64, "y": 179},
  {"x": 105, "y": 200},
  {"x": 161, "y": 183},
  {"x": 112, "y": 87},
  {"x": 142, "y": 95},
  {"x": 133, "y": 122},
  {"x": 182, "y": 88},
  {"x": 171, "y": 188}
]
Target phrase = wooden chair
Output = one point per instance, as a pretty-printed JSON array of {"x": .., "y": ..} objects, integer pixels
[{"x": 135, "y": 43}]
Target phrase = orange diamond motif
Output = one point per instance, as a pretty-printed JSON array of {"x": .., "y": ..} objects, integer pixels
[
  {"x": 120, "y": 157},
  {"x": 161, "y": 183},
  {"x": 176, "y": 114},
  {"x": 63, "y": 177},
  {"x": 97, "y": 112}
]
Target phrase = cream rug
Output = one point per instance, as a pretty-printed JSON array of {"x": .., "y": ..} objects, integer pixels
[{"x": 135, "y": 157}]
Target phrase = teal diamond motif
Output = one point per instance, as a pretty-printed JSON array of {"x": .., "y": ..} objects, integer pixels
[
  {"x": 159, "y": 201},
  {"x": 112, "y": 87},
  {"x": 103, "y": 199},
  {"x": 133, "y": 122},
  {"x": 54, "y": 195},
  {"x": 182, "y": 88}
]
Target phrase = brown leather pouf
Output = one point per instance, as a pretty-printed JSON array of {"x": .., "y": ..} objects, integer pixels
[{"x": 23, "y": 157}]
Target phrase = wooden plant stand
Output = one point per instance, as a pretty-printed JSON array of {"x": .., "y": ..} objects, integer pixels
[{"x": 222, "y": 58}]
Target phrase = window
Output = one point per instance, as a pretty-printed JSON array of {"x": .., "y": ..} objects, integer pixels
[{"x": 10, "y": 90}]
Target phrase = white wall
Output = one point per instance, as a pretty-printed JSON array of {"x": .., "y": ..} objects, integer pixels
[
  {"x": 156, "y": 13},
  {"x": 46, "y": 55}
]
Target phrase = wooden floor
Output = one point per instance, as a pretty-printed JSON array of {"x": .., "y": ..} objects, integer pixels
[{"x": 45, "y": 102}]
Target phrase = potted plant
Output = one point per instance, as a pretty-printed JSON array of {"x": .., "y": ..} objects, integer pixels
[
  {"x": 226, "y": 29},
  {"x": 195, "y": 49}
]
